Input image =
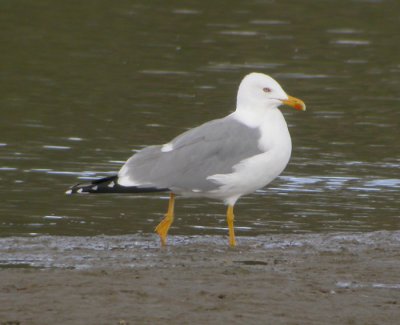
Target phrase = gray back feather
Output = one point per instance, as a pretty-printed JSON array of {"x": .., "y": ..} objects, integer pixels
[{"x": 212, "y": 148}]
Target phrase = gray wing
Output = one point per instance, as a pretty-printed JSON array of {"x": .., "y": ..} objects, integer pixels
[{"x": 212, "y": 148}]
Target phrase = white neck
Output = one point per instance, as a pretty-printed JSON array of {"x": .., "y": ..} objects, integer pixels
[{"x": 254, "y": 116}]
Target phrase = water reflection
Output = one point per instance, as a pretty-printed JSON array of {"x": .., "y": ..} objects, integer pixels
[{"x": 83, "y": 88}]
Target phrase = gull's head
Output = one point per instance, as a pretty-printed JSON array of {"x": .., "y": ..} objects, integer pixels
[{"x": 261, "y": 91}]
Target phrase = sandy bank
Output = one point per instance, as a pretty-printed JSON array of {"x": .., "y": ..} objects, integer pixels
[{"x": 278, "y": 279}]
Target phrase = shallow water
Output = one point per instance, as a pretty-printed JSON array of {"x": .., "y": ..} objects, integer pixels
[
  {"x": 141, "y": 251},
  {"x": 83, "y": 86}
]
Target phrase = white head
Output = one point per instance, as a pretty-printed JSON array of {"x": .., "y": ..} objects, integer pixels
[{"x": 257, "y": 90}]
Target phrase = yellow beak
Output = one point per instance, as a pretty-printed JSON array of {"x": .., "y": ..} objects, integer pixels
[{"x": 295, "y": 103}]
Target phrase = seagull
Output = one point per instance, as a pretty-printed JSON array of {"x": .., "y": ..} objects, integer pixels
[{"x": 222, "y": 159}]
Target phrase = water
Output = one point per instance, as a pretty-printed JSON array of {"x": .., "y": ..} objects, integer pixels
[
  {"x": 84, "y": 85},
  {"x": 139, "y": 250}
]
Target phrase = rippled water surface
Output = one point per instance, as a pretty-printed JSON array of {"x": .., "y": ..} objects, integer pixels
[{"x": 83, "y": 85}]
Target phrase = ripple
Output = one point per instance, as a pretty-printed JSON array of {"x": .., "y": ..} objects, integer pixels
[
  {"x": 352, "y": 42},
  {"x": 344, "y": 31},
  {"x": 54, "y": 217},
  {"x": 62, "y": 172},
  {"x": 374, "y": 285},
  {"x": 269, "y": 22},
  {"x": 50, "y": 147},
  {"x": 391, "y": 182},
  {"x": 74, "y": 139},
  {"x": 227, "y": 66},
  {"x": 186, "y": 12},
  {"x": 294, "y": 75},
  {"x": 356, "y": 61},
  {"x": 239, "y": 32},
  {"x": 295, "y": 183},
  {"x": 7, "y": 169},
  {"x": 165, "y": 72}
]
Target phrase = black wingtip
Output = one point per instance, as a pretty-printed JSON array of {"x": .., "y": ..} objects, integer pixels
[{"x": 110, "y": 185}]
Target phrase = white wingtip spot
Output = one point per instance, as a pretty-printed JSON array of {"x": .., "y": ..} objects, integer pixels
[
  {"x": 79, "y": 191},
  {"x": 69, "y": 192},
  {"x": 126, "y": 181},
  {"x": 112, "y": 184},
  {"x": 167, "y": 147},
  {"x": 94, "y": 188}
]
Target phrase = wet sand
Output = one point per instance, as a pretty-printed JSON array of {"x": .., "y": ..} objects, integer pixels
[{"x": 278, "y": 279}]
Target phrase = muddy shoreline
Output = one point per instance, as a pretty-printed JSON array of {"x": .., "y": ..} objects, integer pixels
[{"x": 339, "y": 278}]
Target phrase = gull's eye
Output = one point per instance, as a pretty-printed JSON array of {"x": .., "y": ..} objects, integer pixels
[{"x": 267, "y": 90}]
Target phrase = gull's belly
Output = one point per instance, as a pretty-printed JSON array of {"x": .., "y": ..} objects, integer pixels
[
  {"x": 255, "y": 172},
  {"x": 275, "y": 141},
  {"x": 263, "y": 169}
]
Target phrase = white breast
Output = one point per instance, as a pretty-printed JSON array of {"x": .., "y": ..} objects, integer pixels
[{"x": 258, "y": 171}]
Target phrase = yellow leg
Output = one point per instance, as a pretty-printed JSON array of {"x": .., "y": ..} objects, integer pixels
[
  {"x": 230, "y": 218},
  {"x": 163, "y": 226}
]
